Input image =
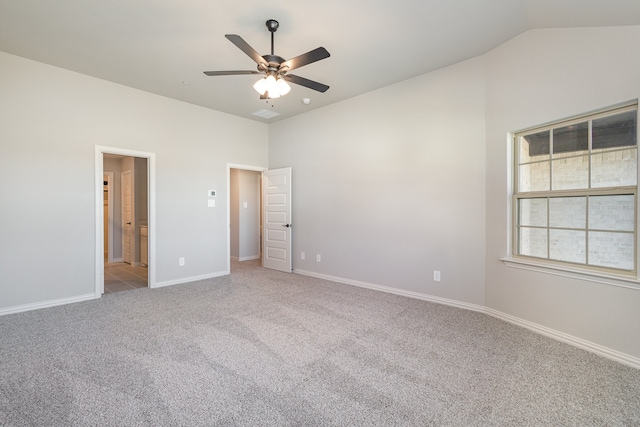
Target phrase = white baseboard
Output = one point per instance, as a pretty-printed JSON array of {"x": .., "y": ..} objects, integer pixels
[
  {"x": 410, "y": 294},
  {"x": 600, "y": 350},
  {"x": 46, "y": 304},
  {"x": 190, "y": 279}
]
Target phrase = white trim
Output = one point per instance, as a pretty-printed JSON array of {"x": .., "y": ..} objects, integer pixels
[
  {"x": 248, "y": 258},
  {"x": 46, "y": 304},
  {"x": 151, "y": 220},
  {"x": 241, "y": 167},
  {"x": 190, "y": 279},
  {"x": 600, "y": 350},
  {"x": 410, "y": 294},
  {"x": 629, "y": 282}
]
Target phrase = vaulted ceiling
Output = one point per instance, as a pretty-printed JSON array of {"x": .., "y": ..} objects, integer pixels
[{"x": 163, "y": 46}]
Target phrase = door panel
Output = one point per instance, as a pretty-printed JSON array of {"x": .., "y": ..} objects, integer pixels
[{"x": 277, "y": 219}]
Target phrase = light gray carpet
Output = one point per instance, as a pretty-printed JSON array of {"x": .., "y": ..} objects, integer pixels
[{"x": 262, "y": 348}]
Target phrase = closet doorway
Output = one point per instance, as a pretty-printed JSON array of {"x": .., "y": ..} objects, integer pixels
[{"x": 245, "y": 213}]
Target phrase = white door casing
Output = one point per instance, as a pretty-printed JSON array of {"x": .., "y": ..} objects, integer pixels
[
  {"x": 127, "y": 216},
  {"x": 276, "y": 253}
]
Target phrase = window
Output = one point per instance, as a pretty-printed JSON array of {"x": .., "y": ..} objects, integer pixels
[{"x": 575, "y": 199}]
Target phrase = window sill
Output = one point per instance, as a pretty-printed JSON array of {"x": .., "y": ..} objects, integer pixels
[{"x": 619, "y": 280}]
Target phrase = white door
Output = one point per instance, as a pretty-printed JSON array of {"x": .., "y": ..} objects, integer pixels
[
  {"x": 276, "y": 253},
  {"x": 127, "y": 216}
]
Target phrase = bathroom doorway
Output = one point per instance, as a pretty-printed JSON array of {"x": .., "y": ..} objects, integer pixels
[{"x": 126, "y": 220}]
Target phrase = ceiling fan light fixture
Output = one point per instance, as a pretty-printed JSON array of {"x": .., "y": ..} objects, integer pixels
[
  {"x": 271, "y": 84},
  {"x": 274, "y": 87},
  {"x": 274, "y": 67},
  {"x": 283, "y": 86},
  {"x": 260, "y": 86}
]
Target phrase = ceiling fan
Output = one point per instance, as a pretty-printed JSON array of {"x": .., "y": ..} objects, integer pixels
[{"x": 275, "y": 68}]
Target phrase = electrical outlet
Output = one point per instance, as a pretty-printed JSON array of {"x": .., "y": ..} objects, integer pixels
[
  {"x": 181, "y": 262},
  {"x": 302, "y": 255},
  {"x": 318, "y": 258},
  {"x": 436, "y": 275}
]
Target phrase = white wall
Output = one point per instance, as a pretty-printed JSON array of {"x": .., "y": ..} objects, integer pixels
[
  {"x": 538, "y": 77},
  {"x": 50, "y": 122},
  {"x": 389, "y": 186}
]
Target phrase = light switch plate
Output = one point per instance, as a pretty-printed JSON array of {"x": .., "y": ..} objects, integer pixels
[
  {"x": 211, "y": 203},
  {"x": 211, "y": 193}
]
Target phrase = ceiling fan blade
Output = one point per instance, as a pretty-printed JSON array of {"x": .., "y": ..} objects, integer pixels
[
  {"x": 244, "y": 46},
  {"x": 230, "y": 73},
  {"x": 305, "y": 59},
  {"x": 306, "y": 82}
]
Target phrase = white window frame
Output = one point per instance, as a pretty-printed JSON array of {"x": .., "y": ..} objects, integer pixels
[{"x": 579, "y": 270}]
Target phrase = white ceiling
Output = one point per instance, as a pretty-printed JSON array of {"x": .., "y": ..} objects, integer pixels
[{"x": 163, "y": 46}]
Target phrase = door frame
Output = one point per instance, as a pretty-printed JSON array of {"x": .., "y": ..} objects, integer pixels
[
  {"x": 241, "y": 167},
  {"x": 99, "y": 212}
]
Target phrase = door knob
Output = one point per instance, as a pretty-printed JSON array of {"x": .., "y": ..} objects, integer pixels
[
  {"x": 286, "y": 225},
  {"x": 129, "y": 223}
]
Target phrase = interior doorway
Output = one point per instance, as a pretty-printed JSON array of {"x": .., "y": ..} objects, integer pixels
[
  {"x": 244, "y": 213},
  {"x": 125, "y": 220}
]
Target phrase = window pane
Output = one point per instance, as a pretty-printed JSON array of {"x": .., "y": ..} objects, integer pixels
[
  {"x": 614, "y": 168},
  {"x": 532, "y": 212},
  {"x": 571, "y": 173},
  {"x": 532, "y": 242},
  {"x": 568, "y": 212},
  {"x": 534, "y": 147},
  {"x": 571, "y": 140},
  {"x": 611, "y": 250},
  {"x": 568, "y": 245},
  {"x": 615, "y": 131},
  {"x": 612, "y": 212},
  {"x": 534, "y": 177}
]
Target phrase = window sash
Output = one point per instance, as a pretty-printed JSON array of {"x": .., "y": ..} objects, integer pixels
[{"x": 581, "y": 235}]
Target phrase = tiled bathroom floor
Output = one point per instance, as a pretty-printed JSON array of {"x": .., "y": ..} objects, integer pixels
[{"x": 120, "y": 276}]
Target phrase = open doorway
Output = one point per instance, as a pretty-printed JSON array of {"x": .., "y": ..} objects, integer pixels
[
  {"x": 245, "y": 214},
  {"x": 126, "y": 264},
  {"x": 125, "y": 220}
]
